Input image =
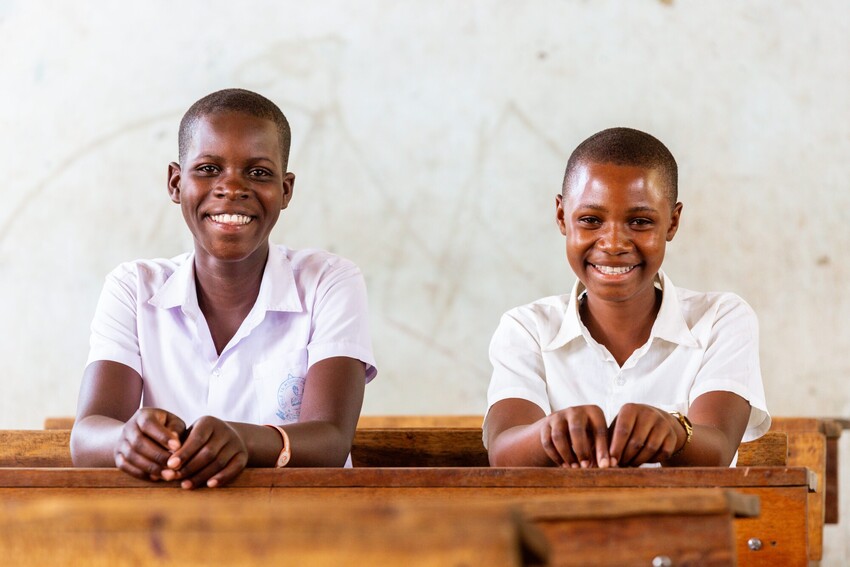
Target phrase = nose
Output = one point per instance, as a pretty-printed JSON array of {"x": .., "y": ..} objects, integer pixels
[
  {"x": 614, "y": 239},
  {"x": 231, "y": 187}
]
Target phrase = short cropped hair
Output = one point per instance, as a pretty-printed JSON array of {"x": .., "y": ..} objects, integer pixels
[
  {"x": 626, "y": 146},
  {"x": 234, "y": 100}
]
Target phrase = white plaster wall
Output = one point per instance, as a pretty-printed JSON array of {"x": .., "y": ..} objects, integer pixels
[{"x": 429, "y": 141}]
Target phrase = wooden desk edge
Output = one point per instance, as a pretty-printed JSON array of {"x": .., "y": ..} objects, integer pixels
[{"x": 448, "y": 477}]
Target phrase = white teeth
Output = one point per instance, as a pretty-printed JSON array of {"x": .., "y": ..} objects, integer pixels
[
  {"x": 612, "y": 270},
  {"x": 231, "y": 219}
]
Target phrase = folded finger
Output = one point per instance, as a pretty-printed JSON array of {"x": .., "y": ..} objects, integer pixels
[
  {"x": 621, "y": 430},
  {"x": 205, "y": 468},
  {"x": 563, "y": 444},
  {"x": 157, "y": 430},
  {"x": 236, "y": 465},
  {"x": 196, "y": 440},
  {"x": 652, "y": 445},
  {"x": 549, "y": 445},
  {"x": 137, "y": 466}
]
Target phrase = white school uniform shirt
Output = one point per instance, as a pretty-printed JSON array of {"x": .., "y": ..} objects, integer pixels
[
  {"x": 700, "y": 342},
  {"x": 311, "y": 306}
]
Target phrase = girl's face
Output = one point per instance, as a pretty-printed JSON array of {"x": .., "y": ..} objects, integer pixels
[{"x": 617, "y": 220}]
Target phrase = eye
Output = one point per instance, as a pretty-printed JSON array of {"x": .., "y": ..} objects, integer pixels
[
  {"x": 589, "y": 221},
  {"x": 207, "y": 168},
  {"x": 641, "y": 222},
  {"x": 260, "y": 172}
]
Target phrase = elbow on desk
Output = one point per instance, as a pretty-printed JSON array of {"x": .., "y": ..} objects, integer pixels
[
  {"x": 82, "y": 452},
  {"x": 78, "y": 453}
]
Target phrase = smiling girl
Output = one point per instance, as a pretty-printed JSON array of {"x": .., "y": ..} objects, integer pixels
[
  {"x": 627, "y": 369},
  {"x": 240, "y": 353}
]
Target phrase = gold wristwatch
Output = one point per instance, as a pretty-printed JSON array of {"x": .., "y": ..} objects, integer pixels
[{"x": 689, "y": 430}]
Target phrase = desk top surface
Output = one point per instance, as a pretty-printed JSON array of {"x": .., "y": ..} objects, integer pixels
[{"x": 466, "y": 477}]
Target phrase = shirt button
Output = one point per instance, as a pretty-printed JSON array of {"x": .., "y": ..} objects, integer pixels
[
  {"x": 216, "y": 372},
  {"x": 621, "y": 381}
]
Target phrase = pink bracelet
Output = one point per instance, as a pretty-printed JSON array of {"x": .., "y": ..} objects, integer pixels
[{"x": 285, "y": 453}]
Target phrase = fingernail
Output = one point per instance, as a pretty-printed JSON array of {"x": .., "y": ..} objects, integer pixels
[
  {"x": 187, "y": 484},
  {"x": 613, "y": 462},
  {"x": 603, "y": 463},
  {"x": 168, "y": 474},
  {"x": 173, "y": 444},
  {"x": 585, "y": 464},
  {"x": 173, "y": 462},
  {"x": 212, "y": 483},
  {"x": 574, "y": 465}
]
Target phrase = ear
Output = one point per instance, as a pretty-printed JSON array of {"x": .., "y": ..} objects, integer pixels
[
  {"x": 559, "y": 214},
  {"x": 174, "y": 181},
  {"x": 675, "y": 216},
  {"x": 288, "y": 187}
]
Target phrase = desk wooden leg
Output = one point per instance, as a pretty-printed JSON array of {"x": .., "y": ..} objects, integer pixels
[{"x": 779, "y": 535}]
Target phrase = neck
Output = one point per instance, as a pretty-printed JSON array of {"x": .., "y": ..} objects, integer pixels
[
  {"x": 228, "y": 287},
  {"x": 622, "y": 327}
]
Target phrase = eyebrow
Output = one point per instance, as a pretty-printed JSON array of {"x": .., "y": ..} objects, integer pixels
[
  {"x": 603, "y": 208},
  {"x": 218, "y": 157}
]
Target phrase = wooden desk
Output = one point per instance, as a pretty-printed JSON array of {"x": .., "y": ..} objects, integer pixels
[
  {"x": 813, "y": 443},
  {"x": 206, "y": 530},
  {"x": 641, "y": 527},
  {"x": 806, "y": 446},
  {"x": 780, "y": 528},
  {"x": 600, "y": 528}
]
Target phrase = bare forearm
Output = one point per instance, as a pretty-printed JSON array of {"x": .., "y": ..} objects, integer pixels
[
  {"x": 313, "y": 444},
  {"x": 93, "y": 441},
  {"x": 709, "y": 447},
  {"x": 519, "y": 446}
]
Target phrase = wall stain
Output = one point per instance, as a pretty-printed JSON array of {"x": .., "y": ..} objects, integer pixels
[{"x": 34, "y": 193}]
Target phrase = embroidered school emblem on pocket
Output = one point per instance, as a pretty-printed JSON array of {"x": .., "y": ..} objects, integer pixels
[{"x": 289, "y": 398}]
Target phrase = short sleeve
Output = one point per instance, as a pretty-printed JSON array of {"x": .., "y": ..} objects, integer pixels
[
  {"x": 518, "y": 370},
  {"x": 340, "y": 325},
  {"x": 731, "y": 362},
  {"x": 114, "y": 333}
]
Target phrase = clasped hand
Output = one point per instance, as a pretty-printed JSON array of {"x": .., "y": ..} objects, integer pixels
[
  {"x": 580, "y": 437},
  {"x": 157, "y": 445}
]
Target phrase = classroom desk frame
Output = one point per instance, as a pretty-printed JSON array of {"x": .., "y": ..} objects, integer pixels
[{"x": 778, "y": 536}]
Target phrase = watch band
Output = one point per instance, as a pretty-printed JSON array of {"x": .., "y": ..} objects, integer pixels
[
  {"x": 689, "y": 430},
  {"x": 285, "y": 453}
]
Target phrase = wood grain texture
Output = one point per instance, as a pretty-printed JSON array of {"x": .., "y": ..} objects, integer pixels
[
  {"x": 372, "y": 447},
  {"x": 769, "y": 450},
  {"x": 35, "y": 448},
  {"x": 209, "y": 531},
  {"x": 782, "y": 491},
  {"x": 419, "y": 447},
  {"x": 651, "y": 501},
  {"x": 808, "y": 448},
  {"x": 419, "y": 421},
  {"x": 832, "y": 428}
]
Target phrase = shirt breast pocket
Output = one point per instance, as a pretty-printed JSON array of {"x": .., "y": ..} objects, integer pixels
[{"x": 279, "y": 386}]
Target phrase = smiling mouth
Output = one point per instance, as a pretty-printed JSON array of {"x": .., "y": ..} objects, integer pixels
[
  {"x": 232, "y": 220},
  {"x": 614, "y": 270}
]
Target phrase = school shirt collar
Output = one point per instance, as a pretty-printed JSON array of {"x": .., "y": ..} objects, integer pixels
[
  {"x": 670, "y": 324},
  {"x": 278, "y": 291}
]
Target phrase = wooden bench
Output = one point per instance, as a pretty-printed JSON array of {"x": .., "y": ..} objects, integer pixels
[
  {"x": 776, "y": 537},
  {"x": 400, "y": 447}
]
